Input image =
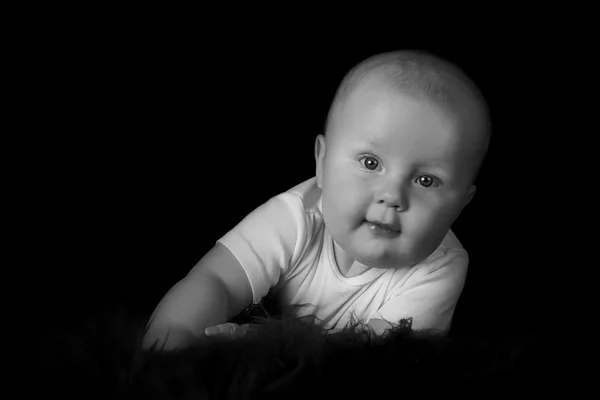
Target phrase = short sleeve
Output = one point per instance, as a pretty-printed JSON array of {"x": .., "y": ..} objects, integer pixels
[
  {"x": 430, "y": 295},
  {"x": 264, "y": 242}
]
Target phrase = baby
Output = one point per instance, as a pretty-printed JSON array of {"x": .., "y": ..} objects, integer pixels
[{"x": 369, "y": 236}]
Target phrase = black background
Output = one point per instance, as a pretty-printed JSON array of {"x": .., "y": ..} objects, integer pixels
[{"x": 140, "y": 152}]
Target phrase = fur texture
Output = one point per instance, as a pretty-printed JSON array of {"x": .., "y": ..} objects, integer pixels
[{"x": 286, "y": 358}]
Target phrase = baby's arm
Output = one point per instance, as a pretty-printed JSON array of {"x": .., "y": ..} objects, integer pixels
[{"x": 213, "y": 292}]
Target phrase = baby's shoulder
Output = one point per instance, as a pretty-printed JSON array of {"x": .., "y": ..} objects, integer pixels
[
  {"x": 450, "y": 253},
  {"x": 309, "y": 194},
  {"x": 451, "y": 244}
]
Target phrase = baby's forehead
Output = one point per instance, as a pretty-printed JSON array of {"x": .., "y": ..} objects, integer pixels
[
  {"x": 457, "y": 132},
  {"x": 440, "y": 86},
  {"x": 375, "y": 94}
]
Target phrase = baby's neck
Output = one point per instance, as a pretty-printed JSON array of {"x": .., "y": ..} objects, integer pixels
[
  {"x": 347, "y": 266},
  {"x": 356, "y": 269}
]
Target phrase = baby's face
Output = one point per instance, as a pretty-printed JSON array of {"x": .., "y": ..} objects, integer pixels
[{"x": 399, "y": 160}]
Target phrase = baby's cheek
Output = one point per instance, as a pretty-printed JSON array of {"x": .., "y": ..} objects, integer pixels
[
  {"x": 416, "y": 225},
  {"x": 420, "y": 236}
]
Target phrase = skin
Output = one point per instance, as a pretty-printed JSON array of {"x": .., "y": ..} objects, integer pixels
[{"x": 416, "y": 162}]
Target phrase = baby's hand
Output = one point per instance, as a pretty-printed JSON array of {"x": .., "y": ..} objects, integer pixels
[{"x": 228, "y": 330}]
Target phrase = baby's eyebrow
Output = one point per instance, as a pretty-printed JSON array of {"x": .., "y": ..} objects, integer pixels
[
  {"x": 436, "y": 165},
  {"x": 370, "y": 144}
]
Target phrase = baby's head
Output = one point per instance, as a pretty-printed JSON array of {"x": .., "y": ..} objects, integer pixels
[{"x": 405, "y": 138}]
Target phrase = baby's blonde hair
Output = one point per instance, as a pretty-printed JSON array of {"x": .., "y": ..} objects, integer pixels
[{"x": 415, "y": 73}]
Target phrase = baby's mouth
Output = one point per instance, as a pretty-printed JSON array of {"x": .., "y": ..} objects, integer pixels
[{"x": 380, "y": 229}]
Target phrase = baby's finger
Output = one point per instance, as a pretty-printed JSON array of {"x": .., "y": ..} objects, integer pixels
[
  {"x": 250, "y": 328},
  {"x": 224, "y": 330}
]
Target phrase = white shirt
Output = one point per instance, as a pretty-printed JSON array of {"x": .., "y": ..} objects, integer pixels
[{"x": 287, "y": 252}]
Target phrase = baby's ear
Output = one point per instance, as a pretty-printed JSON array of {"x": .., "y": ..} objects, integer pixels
[
  {"x": 469, "y": 196},
  {"x": 319, "y": 158}
]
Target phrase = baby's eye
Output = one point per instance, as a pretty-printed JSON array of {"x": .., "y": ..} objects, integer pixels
[
  {"x": 371, "y": 162},
  {"x": 426, "y": 181}
]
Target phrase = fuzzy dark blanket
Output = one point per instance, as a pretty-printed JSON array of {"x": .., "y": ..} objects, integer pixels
[{"x": 287, "y": 358}]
